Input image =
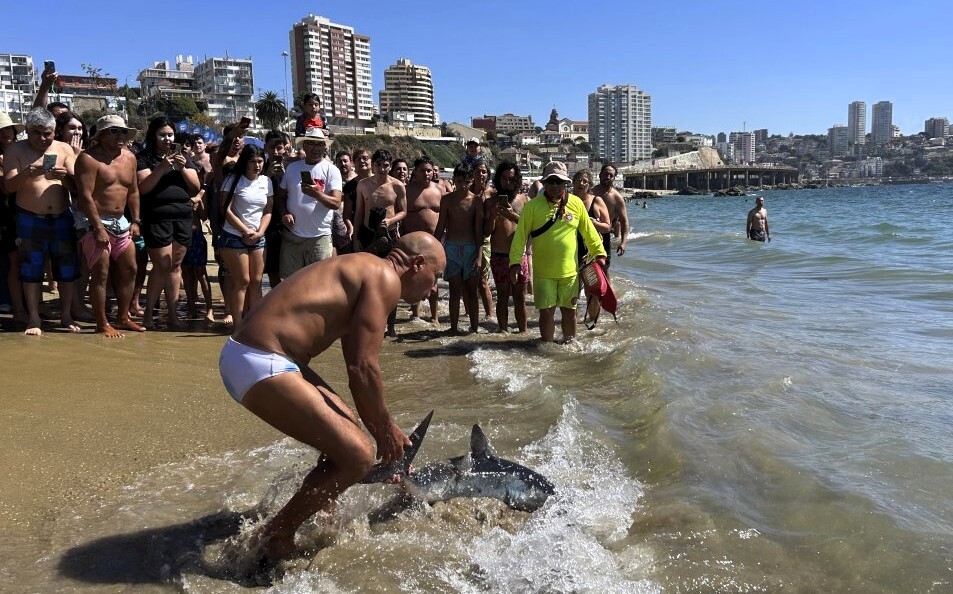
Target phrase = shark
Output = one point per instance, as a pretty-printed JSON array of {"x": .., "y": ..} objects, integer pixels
[{"x": 478, "y": 473}]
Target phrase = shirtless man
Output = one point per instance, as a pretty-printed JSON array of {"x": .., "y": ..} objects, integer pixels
[
  {"x": 106, "y": 180},
  {"x": 44, "y": 218},
  {"x": 381, "y": 206},
  {"x": 504, "y": 210},
  {"x": 618, "y": 217},
  {"x": 361, "y": 169},
  {"x": 381, "y": 203},
  {"x": 264, "y": 367},
  {"x": 423, "y": 210},
  {"x": 461, "y": 221},
  {"x": 480, "y": 187},
  {"x": 757, "y": 226}
]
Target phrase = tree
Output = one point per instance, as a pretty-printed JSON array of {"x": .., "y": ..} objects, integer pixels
[{"x": 271, "y": 110}]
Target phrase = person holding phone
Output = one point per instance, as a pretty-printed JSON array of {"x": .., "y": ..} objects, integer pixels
[
  {"x": 44, "y": 218},
  {"x": 504, "y": 213},
  {"x": 310, "y": 193},
  {"x": 167, "y": 182},
  {"x": 553, "y": 219},
  {"x": 247, "y": 198}
]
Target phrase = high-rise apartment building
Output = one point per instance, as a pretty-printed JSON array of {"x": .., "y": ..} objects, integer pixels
[
  {"x": 334, "y": 62},
  {"x": 936, "y": 128},
  {"x": 163, "y": 80},
  {"x": 407, "y": 95},
  {"x": 838, "y": 137},
  {"x": 856, "y": 124},
  {"x": 881, "y": 125},
  {"x": 620, "y": 123},
  {"x": 743, "y": 145},
  {"x": 17, "y": 84},
  {"x": 229, "y": 87}
]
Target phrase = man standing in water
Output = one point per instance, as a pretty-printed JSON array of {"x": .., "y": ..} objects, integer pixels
[
  {"x": 264, "y": 367},
  {"x": 616, "y": 205},
  {"x": 757, "y": 227}
]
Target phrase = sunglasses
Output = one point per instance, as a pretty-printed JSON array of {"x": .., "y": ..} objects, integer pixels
[
  {"x": 116, "y": 131},
  {"x": 554, "y": 181}
]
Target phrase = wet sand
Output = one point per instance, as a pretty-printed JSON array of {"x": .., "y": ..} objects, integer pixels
[{"x": 84, "y": 415}]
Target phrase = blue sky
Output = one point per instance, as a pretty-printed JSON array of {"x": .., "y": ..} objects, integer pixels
[{"x": 709, "y": 66}]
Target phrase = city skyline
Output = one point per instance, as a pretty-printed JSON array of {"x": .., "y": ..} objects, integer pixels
[{"x": 797, "y": 73}]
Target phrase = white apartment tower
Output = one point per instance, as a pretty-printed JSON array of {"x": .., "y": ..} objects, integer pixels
[
  {"x": 881, "y": 127},
  {"x": 743, "y": 145},
  {"x": 229, "y": 87},
  {"x": 620, "y": 124},
  {"x": 17, "y": 84},
  {"x": 856, "y": 123},
  {"x": 408, "y": 94},
  {"x": 334, "y": 62}
]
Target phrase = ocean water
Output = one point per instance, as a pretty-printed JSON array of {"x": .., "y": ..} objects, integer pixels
[{"x": 762, "y": 418}]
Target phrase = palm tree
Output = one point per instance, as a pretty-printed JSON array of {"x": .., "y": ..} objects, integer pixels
[{"x": 271, "y": 110}]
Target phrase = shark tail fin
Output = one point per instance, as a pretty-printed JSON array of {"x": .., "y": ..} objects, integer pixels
[{"x": 380, "y": 472}]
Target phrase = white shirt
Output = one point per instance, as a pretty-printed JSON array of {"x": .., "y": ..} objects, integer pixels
[
  {"x": 249, "y": 201},
  {"x": 312, "y": 219}
]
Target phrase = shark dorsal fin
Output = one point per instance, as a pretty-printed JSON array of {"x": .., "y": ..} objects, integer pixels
[
  {"x": 380, "y": 472},
  {"x": 479, "y": 444}
]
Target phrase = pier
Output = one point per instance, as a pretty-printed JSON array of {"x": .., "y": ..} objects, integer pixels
[{"x": 708, "y": 179}]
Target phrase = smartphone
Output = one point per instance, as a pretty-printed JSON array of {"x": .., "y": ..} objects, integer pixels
[
  {"x": 306, "y": 179},
  {"x": 176, "y": 148},
  {"x": 49, "y": 161},
  {"x": 49, "y": 66},
  {"x": 246, "y": 121},
  {"x": 504, "y": 200}
]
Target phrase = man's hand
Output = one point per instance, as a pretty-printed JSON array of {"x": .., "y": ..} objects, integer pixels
[
  {"x": 602, "y": 261},
  {"x": 288, "y": 220},
  {"x": 390, "y": 441},
  {"x": 309, "y": 191},
  {"x": 102, "y": 238},
  {"x": 56, "y": 173},
  {"x": 49, "y": 77},
  {"x": 620, "y": 250}
]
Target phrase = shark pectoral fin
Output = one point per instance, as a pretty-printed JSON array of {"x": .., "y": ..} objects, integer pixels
[{"x": 381, "y": 472}]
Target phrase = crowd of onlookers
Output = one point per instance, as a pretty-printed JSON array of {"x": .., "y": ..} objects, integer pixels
[{"x": 87, "y": 212}]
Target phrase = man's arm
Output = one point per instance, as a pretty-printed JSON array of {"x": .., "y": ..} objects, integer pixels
[
  {"x": 132, "y": 200},
  {"x": 441, "y": 227},
  {"x": 767, "y": 233},
  {"x": 86, "y": 169},
  {"x": 15, "y": 171},
  {"x": 359, "y": 214},
  {"x": 43, "y": 93},
  {"x": 400, "y": 204},
  {"x": 748, "y": 223},
  {"x": 378, "y": 295},
  {"x": 623, "y": 216}
]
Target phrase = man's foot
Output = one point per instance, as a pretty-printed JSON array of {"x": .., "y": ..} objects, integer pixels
[
  {"x": 210, "y": 315},
  {"x": 70, "y": 325},
  {"x": 134, "y": 310},
  {"x": 228, "y": 321},
  {"x": 33, "y": 329},
  {"x": 147, "y": 320},
  {"x": 109, "y": 332},
  {"x": 128, "y": 324}
]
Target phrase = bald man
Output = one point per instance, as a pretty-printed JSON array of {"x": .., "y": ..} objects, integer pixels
[{"x": 265, "y": 368}]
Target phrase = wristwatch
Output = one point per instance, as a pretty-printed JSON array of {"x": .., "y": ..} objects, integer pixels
[{"x": 137, "y": 222}]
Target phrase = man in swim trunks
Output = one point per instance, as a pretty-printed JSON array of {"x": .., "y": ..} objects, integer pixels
[
  {"x": 106, "y": 180},
  {"x": 556, "y": 217},
  {"x": 381, "y": 203},
  {"x": 461, "y": 220},
  {"x": 423, "y": 210},
  {"x": 618, "y": 216},
  {"x": 504, "y": 213},
  {"x": 757, "y": 226},
  {"x": 44, "y": 218},
  {"x": 264, "y": 366}
]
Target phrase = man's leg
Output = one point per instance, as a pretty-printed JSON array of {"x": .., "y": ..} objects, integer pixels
[
  {"x": 314, "y": 415},
  {"x": 502, "y": 306},
  {"x": 471, "y": 300},
  {"x": 456, "y": 291},
  {"x": 547, "y": 324},
  {"x": 519, "y": 306},
  {"x": 99, "y": 272},
  {"x": 124, "y": 271},
  {"x": 31, "y": 294},
  {"x": 568, "y": 323}
]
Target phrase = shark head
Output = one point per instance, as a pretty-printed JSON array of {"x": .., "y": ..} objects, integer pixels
[{"x": 523, "y": 489}]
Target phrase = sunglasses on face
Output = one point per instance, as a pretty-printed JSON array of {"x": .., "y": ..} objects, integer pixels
[{"x": 116, "y": 131}]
